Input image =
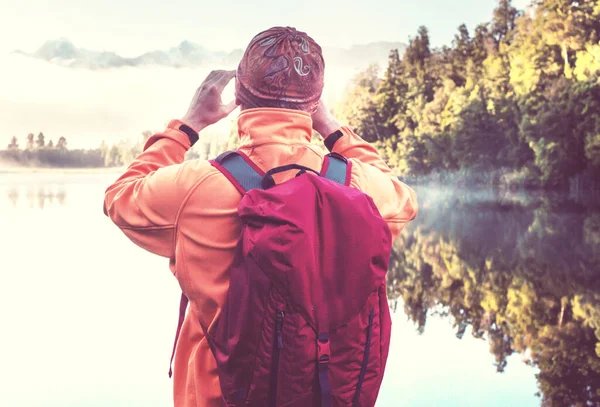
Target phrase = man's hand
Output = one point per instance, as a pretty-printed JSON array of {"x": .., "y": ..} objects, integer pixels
[
  {"x": 323, "y": 121},
  {"x": 207, "y": 107}
]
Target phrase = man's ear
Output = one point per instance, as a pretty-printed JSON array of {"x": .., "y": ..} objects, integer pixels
[
  {"x": 235, "y": 94},
  {"x": 239, "y": 103}
]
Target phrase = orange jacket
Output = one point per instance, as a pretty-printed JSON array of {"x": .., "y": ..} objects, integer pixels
[{"x": 186, "y": 211}]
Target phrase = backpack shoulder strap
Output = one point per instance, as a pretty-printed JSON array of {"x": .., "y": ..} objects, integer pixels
[
  {"x": 245, "y": 175},
  {"x": 336, "y": 168},
  {"x": 240, "y": 170}
]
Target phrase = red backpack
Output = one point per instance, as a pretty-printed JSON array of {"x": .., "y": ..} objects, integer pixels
[{"x": 306, "y": 321}]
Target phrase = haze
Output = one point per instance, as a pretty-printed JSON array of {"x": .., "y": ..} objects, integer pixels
[{"x": 88, "y": 106}]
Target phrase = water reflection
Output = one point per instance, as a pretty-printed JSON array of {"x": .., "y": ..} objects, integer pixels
[
  {"x": 522, "y": 271},
  {"x": 37, "y": 196},
  {"x": 517, "y": 271}
]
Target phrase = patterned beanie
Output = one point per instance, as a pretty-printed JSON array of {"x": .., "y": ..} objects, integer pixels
[{"x": 282, "y": 68}]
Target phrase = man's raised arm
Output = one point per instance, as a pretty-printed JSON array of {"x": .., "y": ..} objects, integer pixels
[{"x": 145, "y": 201}]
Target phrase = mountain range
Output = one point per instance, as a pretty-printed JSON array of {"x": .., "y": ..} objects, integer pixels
[{"x": 188, "y": 54}]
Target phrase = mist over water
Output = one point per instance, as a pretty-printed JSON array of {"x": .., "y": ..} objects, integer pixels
[{"x": 88, "y": 318}]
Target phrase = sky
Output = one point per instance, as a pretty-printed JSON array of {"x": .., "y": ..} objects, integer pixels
[
  {"x": 88, "y": 107},
  {"x": 132, "y": 27}
]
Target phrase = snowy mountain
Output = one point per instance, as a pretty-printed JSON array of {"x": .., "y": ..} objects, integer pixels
[{"x": 187, "y": 54}]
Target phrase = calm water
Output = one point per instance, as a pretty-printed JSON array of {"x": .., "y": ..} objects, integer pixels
[{"x": 496, "y": 298}]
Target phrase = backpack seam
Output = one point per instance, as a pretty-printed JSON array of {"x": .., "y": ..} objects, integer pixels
[
  {"x": 355, "y": 316},
  {"x": 262, "y": 327},
  {"x": 382, "y": 291}
]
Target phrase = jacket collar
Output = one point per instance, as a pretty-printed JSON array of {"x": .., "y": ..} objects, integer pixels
[{"x": 274, "y": 126}]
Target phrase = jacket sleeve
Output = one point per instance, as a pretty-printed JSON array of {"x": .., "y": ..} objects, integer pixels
[
  {"x": 144, "y": 202},
  {"x": 395, "y": 200}
]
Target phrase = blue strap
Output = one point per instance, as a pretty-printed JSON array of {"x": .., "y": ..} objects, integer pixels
[
  {"x": 337, "y": 168},
  {"x": 239, "y": 169},
  {"x": 250, "y": 179}
]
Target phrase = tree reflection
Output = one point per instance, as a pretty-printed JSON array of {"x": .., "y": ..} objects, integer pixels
[
  {"x": 13, "y": 196},
  {"x": 38, "y": 196},
  {"x": 522, "y": 273}
]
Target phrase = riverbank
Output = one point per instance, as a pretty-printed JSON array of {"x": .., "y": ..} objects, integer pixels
[{"x": 525, "y": 179}]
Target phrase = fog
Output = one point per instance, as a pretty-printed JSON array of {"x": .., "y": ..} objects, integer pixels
[{"x": 88, "y": 106}]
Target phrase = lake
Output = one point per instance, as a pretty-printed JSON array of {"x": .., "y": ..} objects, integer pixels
[{"x": 496, "y": 299}]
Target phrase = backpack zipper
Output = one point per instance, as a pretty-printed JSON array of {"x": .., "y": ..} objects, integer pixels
[
  {"x": 363, "y": 369},
  {"x": 277, "y": 346}
]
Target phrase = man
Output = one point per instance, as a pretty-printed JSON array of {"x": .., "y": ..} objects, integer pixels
[{"x": 187, "y": 211}]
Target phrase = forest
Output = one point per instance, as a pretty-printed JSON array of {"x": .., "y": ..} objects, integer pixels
[
  {"x": 515, "y": 102},
  {"x": 39, "y": 152}
]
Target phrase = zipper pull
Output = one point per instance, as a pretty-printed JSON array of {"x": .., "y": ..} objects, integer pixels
[{"x": 279, "y": 327}]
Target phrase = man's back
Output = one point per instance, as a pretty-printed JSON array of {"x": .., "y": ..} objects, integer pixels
[{"x": 188, "y": 213}]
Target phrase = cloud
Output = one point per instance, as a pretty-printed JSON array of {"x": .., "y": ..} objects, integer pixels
[{"x": 90, "y": 105}]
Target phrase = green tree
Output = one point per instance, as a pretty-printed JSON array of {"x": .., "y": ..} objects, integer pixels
[
  {"x": 61, "y": 144},
  {"x": 30, "y": 141},
  {"x": 462, "y": 55},
  {"x": 358, "y": 107},
  {"x": 516, "y": 101},
  {"x": 504, "y": 22},
  {"x": 417, "y": 53},
  {"x": 40, "y": 142},
  {"x": 14, "y": 144},
  {"x": 482, "y": 45},
  {"x": 478, "y": 137},
  {"x": 389, "y": 102},
  {"x": 553, "y": 126},
  {"x": 104, "y": 150},
  {"x": 113, "y": 159},
  {"x": 567, "y": 26}
]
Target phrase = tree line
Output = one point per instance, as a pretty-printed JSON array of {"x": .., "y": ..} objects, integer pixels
[
  {"x": 36, "y": 151},
  {"x": 518, "y": 98},
  {"x": 31, "y": 143}
]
